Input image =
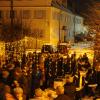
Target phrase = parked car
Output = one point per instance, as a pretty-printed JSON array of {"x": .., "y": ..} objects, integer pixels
[
  {"x": 79, "y": 37},
  {"x": 48, "y": 48},
  {"x": 63, "y": 48}
]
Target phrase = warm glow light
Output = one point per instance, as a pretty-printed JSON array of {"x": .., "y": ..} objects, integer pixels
[
  {"x": 89, "y": 52},
  {"x": 2, "y": 48},
  {"x": 53, "y": 37}
]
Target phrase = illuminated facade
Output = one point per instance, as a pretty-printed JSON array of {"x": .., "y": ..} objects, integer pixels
[
  {"x": 45, "y": 21},
  {"x": 79, "y": 27}
]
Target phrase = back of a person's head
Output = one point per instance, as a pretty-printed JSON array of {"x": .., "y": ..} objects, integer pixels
[
  {"x": 10, "y": 66},
  {"x": 5, "y": 73},
  {"x": 18, "y": 90},
  {"x": 8, "y": 95},
  {"x": 7, "y": 89},
  {"x": 17, "y": 71},
  {"x": 60, "y": 90},
  {"x": 38, "y": 92}
]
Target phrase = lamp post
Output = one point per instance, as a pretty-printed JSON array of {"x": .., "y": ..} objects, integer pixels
[
  {"x": 11, "y": 27},
  {"x": 11, "y": 15},
  {"x": 59, "y": 25},
  {"x": 64, "y": 28}
]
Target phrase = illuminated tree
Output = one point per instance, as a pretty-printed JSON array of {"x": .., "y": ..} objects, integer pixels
[
  {"x": 90, "y": 10},
  {"x": 92, "y": 18}
]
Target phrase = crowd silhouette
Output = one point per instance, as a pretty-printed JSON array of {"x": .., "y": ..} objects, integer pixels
[{"x": 33, "y": 77}]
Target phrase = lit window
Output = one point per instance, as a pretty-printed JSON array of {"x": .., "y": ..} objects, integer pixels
[
  {"x": 39, "y": 33},
  {"x": 55, "y": 15},
  {"x": 39, "y": 14},
  {"x": 26, "y": 14}
]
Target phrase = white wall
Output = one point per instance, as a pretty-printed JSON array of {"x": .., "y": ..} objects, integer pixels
[{"x": 79, "y": 24}]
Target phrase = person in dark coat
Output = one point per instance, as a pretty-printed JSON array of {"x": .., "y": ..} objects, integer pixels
[
  {"x": 91, "y": 79},
  {"x": 59, "y": 66},
  {"x": 61, "y": 95},
  {"x": 91, "y": 76},
  {"x": 16, "y": 62},
  {"x": 2, "y": 92},
  {"x": 4, "y": 77},
  {"x": 73, "y": 64},
  {"x": 98, "y": 81},
  {"x": 85, "y": 57},
  {"x": 53, "y": 68},
  {"x": 66, "y": 65},
  {"x": 47, "y": 64},
  {"x": 87, "y": 65},
  {"x": 36, "y": 77},
  {"x": 51, "y": 74},
  {"x": 21, "y": 80},
  {"x": 70, "y": 88},
  {"x": 24, "y": 60},
  {"x": 79, "y": 63}
]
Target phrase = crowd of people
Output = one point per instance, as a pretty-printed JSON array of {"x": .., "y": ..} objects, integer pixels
[{"x": 33, "y": 77}]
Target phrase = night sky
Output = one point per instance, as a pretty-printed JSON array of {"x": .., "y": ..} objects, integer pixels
[
  {"x": 81, "y": 5},
  {"x": 89, "y": 9}
]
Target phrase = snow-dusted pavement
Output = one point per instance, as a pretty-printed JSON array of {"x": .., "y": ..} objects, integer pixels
[{"x": 83, "y": 47}]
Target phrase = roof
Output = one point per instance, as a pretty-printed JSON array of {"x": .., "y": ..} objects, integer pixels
[{"x": 58, "y": 5}]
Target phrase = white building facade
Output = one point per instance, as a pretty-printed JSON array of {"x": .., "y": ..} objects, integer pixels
[{"x": 41, "y": 22}]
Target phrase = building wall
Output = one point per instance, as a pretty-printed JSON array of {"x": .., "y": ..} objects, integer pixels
[
  {"x": 34, "y": 16},
  {"x": 43, "y": 22},
  {"x": 79, "y": 27},
  {"x": 54, "y": 26},
  {"x": 70, "y": 27},
  {"x": 46, "y": 21},
  {"x": 59, "y": 20},
  {"x": 35, "y": 19},
  {"x": 26, "y": 3},
  {"x": 40, "y": 25}
]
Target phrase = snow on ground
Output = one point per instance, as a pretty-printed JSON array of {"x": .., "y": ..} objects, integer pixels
[{"x": 83, "y": 47}]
